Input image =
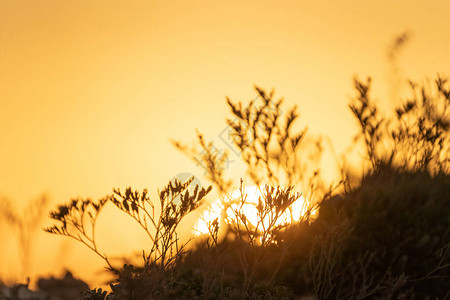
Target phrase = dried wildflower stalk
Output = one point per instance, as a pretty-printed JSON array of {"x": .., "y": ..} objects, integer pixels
[
  {"x": 268, "y": 145},
  {"x": 422, "y": 129},
  {"x": 165, "y": 250},
  {"x": 270, "y": 208},
  {"x": 212, "y": 161},
  {"x": 161, "y": 229},
  {"x": 25, "y": 224},
  {"x": 72, "y": 218},
  {"x": 417, "y": 138}
]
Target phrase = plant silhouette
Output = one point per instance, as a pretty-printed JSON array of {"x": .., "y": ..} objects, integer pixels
[
  {"x": 384, "y": 238},
  {"x": 26, "y": 225},
  {"x": 77, "y": 220}
]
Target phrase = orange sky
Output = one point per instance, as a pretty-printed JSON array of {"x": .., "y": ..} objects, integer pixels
[{"x": 92, "y": 91}]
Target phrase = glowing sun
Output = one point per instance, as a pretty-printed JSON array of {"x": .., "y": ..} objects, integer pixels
[{"x": 223, "y": 209}]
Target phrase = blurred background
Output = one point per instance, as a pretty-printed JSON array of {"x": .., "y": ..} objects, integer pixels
[{"x": 92, "y": 92}]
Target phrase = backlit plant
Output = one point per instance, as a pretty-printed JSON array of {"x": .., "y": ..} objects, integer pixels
[{"x": 78, "y": 219}]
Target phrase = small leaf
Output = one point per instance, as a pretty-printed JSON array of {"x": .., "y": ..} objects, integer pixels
[{"x": 125, "y": 205}]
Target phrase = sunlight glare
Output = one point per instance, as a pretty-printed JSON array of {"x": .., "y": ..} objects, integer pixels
[{"x": 216, "y": 210}]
